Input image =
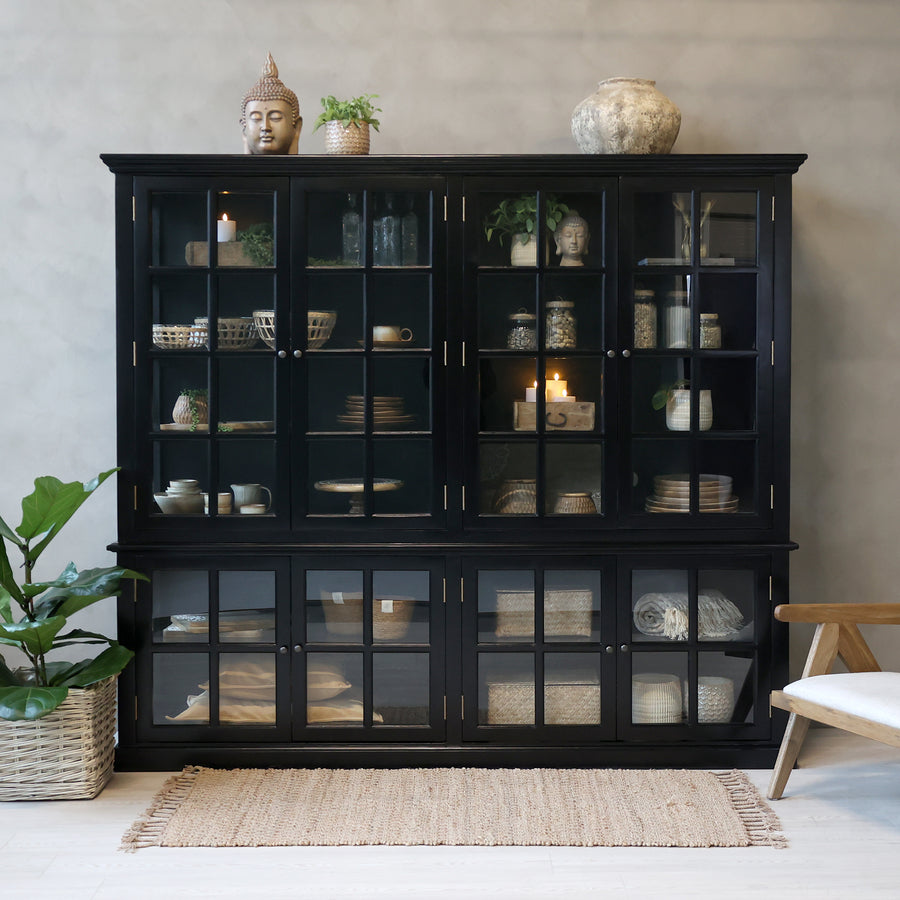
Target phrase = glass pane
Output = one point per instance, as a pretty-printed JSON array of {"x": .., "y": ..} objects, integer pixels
[
  {"x": 335, "y": 228},
  {"x": 729, "y": 387},
  {"x": 180, "y": 394},
  {"x": 401, "y": 607},
  {"x": 334, "y": 607},
  {"x": 334, "y": 394},
  {"x": 403, "y": 483},
  {"x": 572, "y": 689},
  {"x": 729, "y": 481},
  {"x": 574, "y": 476},
  {"x": 572, "y": 605},
  {"x": 725, "y": 687},
  {"x": 401, "y": 688},
  {"x": 728, "y": 303},
  {"x": 508, "y": 478},
  {"x": 240, "y": 296},
  {"x": 503, "y": 239},
  {"x": 505, "y": 689},
  {"x": 577, "y": 239},
  {"x": 727, "y": 226},
  {"x": 245, "y": 230},
  {"x": 336, "y": 478},
  {"x": 246, "y": 395},
  {"x": 247, "y": 607},
  {"x": 180, "y": 476},
  {"x": 401, "y": 395},
  {"x": 574, "y": 394},
  {"x": 505, "y": 606},
  {"x": 401, "y": 229},
  {"x": 659, "y": 467},
  {"x": 658, "y": 687},
  {"x": 660, "y": 610},
  {"x": 247, "y": 689},
  {"x": 247, "y": 473},
  {"x": 180, "y": 689},
  {"x": 178, "y": 229},
  {"x": 506, "y": 312},
  {"x": 727, "y": 604},
  {"x": 177, "y": 301},
  {"x": 400, "y": 307},
  {"x": 334, "y": 318},
  {"x": 661, "y": 396},
  {"x": 334, "y": 690},
  {"x": 180, "y": 606},
  {"x": 662, "y": 228},
  {"x": 507, "y": 394},
  {"x": 573, "y": 311}
]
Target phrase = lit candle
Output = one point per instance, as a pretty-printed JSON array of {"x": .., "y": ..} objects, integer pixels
[
  {"x": 555, "y": 388},
  {"x": 226, "y": 229},
  {"x": 566, "y": 396},
  {"x": 531, "y": 394}
]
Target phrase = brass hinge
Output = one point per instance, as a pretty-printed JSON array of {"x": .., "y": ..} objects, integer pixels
[
  {"x": 462, "y": 590},
  {"x": 773, "y": 207},
  {"x": 135, "y": 708},
  {"x": 772, "y": 354},
  {"x": 133, "y": 208},
  {"x": 770, "y": 590},
  {"x": 445, "y": 219},
  {"x": 445, "y": 354},
  {"x": 771, "y": 496},
  {"x": 445, "y": 707},
  {"x": 135, "y": 509},
  {"x": 464, "y": 498},
  {"x": 463, "y": 350},
  {"x": 462, "y": 708},
  {"x": 134, "y": 354},
  {"x": 464, "y": 209},
  {"x": 445, "y": 498},
  {"x": 444, "y": 589}
]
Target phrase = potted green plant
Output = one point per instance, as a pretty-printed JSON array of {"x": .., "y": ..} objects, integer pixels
[
  {"x": 347, "y": 123},
  {"x": 517, "y": 217},
  {"x": 675, "y": 398},
  {"x": 191, "y": 408},
  {"x": 48, "y": 705}
]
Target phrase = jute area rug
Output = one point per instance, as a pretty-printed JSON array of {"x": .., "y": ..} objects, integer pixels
[{"x": 204, "y": 807}]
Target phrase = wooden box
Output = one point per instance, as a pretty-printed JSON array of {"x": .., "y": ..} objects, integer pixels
[{"x": 558, "y": 416}]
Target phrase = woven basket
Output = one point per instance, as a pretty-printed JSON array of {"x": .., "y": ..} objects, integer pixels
[
  {"x": 350, "y": 141},
  {"x": 172, "y": 337},
  {"x": 566, "y": 703},
  {"x": 67, "y": 755},
  {"x": 517, "y": 497},
  {"x": 655, "y": 699},
  {"x": 264, "y": 320},
  {"x": 390, "y": 615},
  {"x": 233, "y": 333},
  {"x": 319, "y": 325},
  {"x": 566, "y": 613}
]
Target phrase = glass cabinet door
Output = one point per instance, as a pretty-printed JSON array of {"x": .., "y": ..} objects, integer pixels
[
  {"x": 538, "y": 657},
  {"x": 697, "y": 319},
  {"x": 368, "y": 320},
  {"x": 211, "y": 272},
  {"x": 538, "y": 274},
  {"x": 218, "y": 653},
  {"x": 691, "y": 645},
  {"x": 368, "y": 651}
]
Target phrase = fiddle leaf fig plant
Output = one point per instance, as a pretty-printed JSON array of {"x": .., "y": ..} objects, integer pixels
[
  {"x": 519, "y": 216},
  {"x": 34, "y": 614}
]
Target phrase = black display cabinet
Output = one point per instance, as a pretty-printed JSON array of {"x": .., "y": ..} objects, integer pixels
[{"x": 413, "y": 490}]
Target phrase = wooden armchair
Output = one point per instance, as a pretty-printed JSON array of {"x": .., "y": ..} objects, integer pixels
[{"x": 864, "y": 700}]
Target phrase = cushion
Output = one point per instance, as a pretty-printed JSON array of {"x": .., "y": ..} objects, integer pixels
[{"x": 871, "y": 695}]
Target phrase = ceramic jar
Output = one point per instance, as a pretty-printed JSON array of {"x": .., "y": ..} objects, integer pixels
[
  {"x": 626, "y": 115},
  {"x": 191, "y": 410},
  {"x": 523, "y": 254},
  {"x": 678, "y": 410}
]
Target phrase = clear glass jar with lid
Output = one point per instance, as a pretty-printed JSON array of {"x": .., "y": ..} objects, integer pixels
[
  {"x": 522, "y": 333},
  {"x": 678, "y": 320},
  {"x": 560, "y": 326},
  {"x": 710, "y": 331},
  {"x": 644, "y": 319}
]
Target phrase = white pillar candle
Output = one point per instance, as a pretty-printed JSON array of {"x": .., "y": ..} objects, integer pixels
[
  {"x": 565, "y": 398},
  {"x": 555, "y": 388},
  {"x": 531, "y": 394},
  {"x": 226, "y": 229}
]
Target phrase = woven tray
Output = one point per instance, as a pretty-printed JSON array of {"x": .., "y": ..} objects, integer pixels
[
  {"x": 566, "y": 613},
  {"x": 67, "y": 755},
  {"x": 568, "y": 703}
]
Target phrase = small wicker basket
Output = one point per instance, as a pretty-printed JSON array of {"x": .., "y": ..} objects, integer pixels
[
  {"x": 391, "y": 616},
  {"x": 566, "y": 613},
  {"x": 264, "y": 320},
  {"x": 320, "y": 324},
  {"x": 172, "y": 337},
  {"x": 68, "y": 754},
  {"x": 517, "y": 497},
  {"x": 350, "y": 141},
  {"x": 233, "y": 333}
]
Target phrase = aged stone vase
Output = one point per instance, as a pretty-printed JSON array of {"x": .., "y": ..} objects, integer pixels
[{"x": 626, "y": 115}]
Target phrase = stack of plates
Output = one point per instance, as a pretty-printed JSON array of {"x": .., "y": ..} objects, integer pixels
[
  {"x": 387, "y": 412},
  {"x": 672, "y": 493}
]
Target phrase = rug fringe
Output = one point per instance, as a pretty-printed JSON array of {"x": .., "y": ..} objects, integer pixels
[
  {"x": 147, "y": 830},
  {"x": 758, "y": 818}
]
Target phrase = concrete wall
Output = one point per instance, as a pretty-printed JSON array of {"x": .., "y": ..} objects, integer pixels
[{"x": 816, "y": 76}]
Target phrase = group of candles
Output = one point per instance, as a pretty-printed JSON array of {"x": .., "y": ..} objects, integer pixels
[{"x": 555, "y": 391}]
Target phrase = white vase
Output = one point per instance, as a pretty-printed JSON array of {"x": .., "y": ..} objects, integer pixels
[
  {"x": 523, "y": 254},
  {"x": 626, "y": 115},
  {"x": 678, "y": 410}
]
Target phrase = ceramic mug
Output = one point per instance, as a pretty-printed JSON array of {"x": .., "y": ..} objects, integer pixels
[
  {"x": 391, "y": 333},
  {"x": 223, "y": 501},
  {"x": 249, "y": 494}
]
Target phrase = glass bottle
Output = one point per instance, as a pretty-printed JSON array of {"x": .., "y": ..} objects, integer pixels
[
  {"x": 710, "y": 331},
  {"x": 644, "y": 319},
  {"x": 351, "y": 228},
  {"x": 559, "y": 331},
  {"x": 522, "y": 333},
  {"x": 386, "y": 235},
  {"x": 678, "y": 320},
  {"x": 409, "y": 228}
]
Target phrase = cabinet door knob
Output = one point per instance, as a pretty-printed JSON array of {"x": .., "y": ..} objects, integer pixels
[
  {"x": 282, "y": 354},
  {"x": 298, "y": 648},
  {"x": 624, "y": 648},
  {"x": 626, "y": 353},
  {"x": 609, "y": 648},
  {"x": 283, "y": 650},
  {"x": 611, "y": 353},
  {"x": 298, "y": 354}
]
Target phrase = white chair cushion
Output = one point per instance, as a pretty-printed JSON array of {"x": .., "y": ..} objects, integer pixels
[{"x": 872, "y": 695}]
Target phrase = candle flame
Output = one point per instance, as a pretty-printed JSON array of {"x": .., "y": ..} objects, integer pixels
[
  {"x": 556, "y": 377},
  {"x": 224, "y": 217},
  {"x": 565, "y": 393},
  {"x": 535, "y": 384}
]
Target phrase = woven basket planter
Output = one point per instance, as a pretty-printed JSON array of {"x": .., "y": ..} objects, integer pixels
[
  {"x": 350, "y": 141},
  {"x": 67, "y": 755}
]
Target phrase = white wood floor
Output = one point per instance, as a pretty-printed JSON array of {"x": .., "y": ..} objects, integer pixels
[{"x": 841, "y": 813}]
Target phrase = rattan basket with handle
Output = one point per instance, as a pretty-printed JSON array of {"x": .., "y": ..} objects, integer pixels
[{"x": 68, "y": 754}]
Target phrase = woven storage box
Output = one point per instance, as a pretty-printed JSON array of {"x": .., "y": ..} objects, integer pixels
[
  {"x": 566, "y": 613},
  {"x": 390, "y": 615},
  {"x": 67, "y": 755},
  {"x": 572, "y": 702}
]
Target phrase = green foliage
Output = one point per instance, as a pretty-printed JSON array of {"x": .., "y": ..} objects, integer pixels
[
  {"x": 259, "y": 242},
  {"x": 661, "y": 397},
  {"x": 519, "y": 216},
  {"x": 44, "y": 607},
  {"x": 349, "y": 112},
  {"x": 193, "y": 395}
]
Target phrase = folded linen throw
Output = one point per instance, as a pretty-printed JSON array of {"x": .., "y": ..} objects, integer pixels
[{"x": 666, "y": 614}]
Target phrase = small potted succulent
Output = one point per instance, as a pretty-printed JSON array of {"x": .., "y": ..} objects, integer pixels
[
  {"x": 347, "y": 124},
  {"x": 517, "y": 217},
  {"x": 46, "y": 704}
]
